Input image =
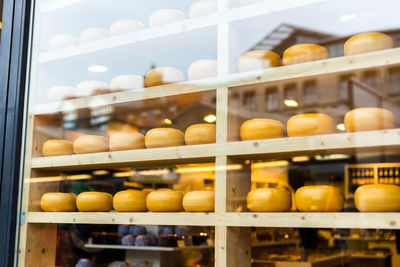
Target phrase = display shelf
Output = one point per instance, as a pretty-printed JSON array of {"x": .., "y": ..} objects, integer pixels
[
  {"x": 147, "y": 248},
  {"x": 274, "y": 243}
]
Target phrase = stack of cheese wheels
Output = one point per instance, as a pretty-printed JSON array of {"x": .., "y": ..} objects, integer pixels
[
  {"x": 125, "y": 25},
  {"x": 60, "y": 92},
  {"x": 88, "y": 88},
  {"x": 57, "y": 148},
  {"x": 200, "y": 201},
  {"x": 58, "y": 202},
  {"x": 165, "y": 16},
  {"x": 114, "y": 126},
  {"x": 164, "y": 137},
  {"x": 310, "y": 124},
  {"x": 130, "y": 200},
  {"x": 163, "y": 75},
  {"x": 368, "y": 119},
  {"x": 126, "y": 141},
  {"x": 94, "y": 201},
  {"x": 367, "y": 42},
  {"x": 258, "y": 59},
  {"x": 93, "y": 34},
  {"x": 200, "y": 134},
  {"x": 304, "y": 53},
  {"x": 319, "y": 198},
  {"x": 203, "y": 68},
  {"x": 269, "y": 200},
  {"x": 61, "y": 40},
  {"x": 164, "y": 200},
  {"x": 202, "y": 8},
  {"x": 90, "y": 144},
  {"x": 261, "y": 129},
  {"x": 377, "y": 198},
  {"x": 126, "y": 82}
]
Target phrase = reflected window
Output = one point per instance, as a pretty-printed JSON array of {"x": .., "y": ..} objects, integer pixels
[
  {"x": 271, "y": 99},
  {"x": 291, "y": 93},
  {"x": 394, "y": 80},
  {"x": 249, "y": 100},
  {"x": 371, "y": 78},
  {"x": 310, "y": 93},
  {"x": 344, "y": 87}
]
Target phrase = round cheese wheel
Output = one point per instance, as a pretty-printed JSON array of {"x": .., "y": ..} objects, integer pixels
[
  {"x": 117, "y": 126},
  {"x": 130, "y": 200},
  {"x": 88, "y": 88},
  {"x": 126, "y": 82},
  {"x": 304, "y": 53},
  {"x": 203, "y": 68},
  {"x": 165, "y": 16},
  {"x": 247, "y": 2},
  {"x": 164, "y": 200},
  {"x": 269, "y": 200},
  {"x": 377, "y": 198},
  {"x": 319, "y": 198},
  {"x": 310, "y": 124},
  {"x": 200, "y": 201},
  {"x": 60, "y": 92},
  {"x": 202, "y": 8},
  {"x": 57, "y": 148},
  {"x": 367, "y": 42},
  {"x": 90, "y": 144},
  {"x": 163, "y": 75},
  {"x": 62, "y": 40},
  {"x": 93, "y": 34},
  {"x": 368, "y": 119},
  {"x": 200, "y": 134},
  {"x": 164, "y": 137},
  {"x": 94, "y": 201},
  {"x": 126, "y": 141},
  {"x": 58, "y": 202},
  {"x": 125, "y": 25},
  {"x": 261, "y": 129},
  {"x": 258, "y": 59}
]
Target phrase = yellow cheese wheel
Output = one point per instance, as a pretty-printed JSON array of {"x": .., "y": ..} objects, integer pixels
[
  {"x": 200, "y": 134},
  {"x": 90, "y": 144},
  {"x": 367, "y": 42},
  {"x": 269, "y": 200},
  {"x": 319, "y": 198},
  {"x": 368, "y": 119},
  {"x": 126, "y": 141},
  {"x": 310, "y": 124},
  {"x": 94, "y": 201},
  {"x": 117, "y": 126},
  {"x": 378, "y": 198},
  {"x": 304, "y": 53},
  {"x": 58, "y": 202},
  {"x": 258, "y": 59},
  {"x": 200, "y": 201},
  {"x": 164, "y": 200},
  {"x": 261, "y": 129},
  {"x": 164, "y": 137},
  {"x": 163, "y": 75},
  {"x": 57, "y": 148},
  {"x": 130, "y": 200}
]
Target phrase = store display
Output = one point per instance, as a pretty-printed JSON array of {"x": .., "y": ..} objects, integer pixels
[
  {"x": 94, "y": 201},
  {"x": 58, "y": 202},
  {"x": 203, "y": 68},
  {"x": 88, "y": 88},
  {"x": 90, "y": 144},
  {"x": 142, "y": 240},
  {"x": 123, "y": 229},
  {"x": 93, "y": 34},
  {"x": 130, "y": 200},
  {"x": 163, "y": 75},
  {"x": 125, "y": 25},
  {"x": 164, "y": 200},
  {"x": 165, "y": 16},
  {"x": 61, "y": 41},
  {"x": 269, "y": 200},
  {"x": 128, "y": 240},
  {"x": 164, "y": 137},
  {"x": 258, "y": 59},
  {"x": 261, "y": 129},
  {"x": 136, "y": 230},
  {"x": 60, "y": 92},
  {"x": 367, "y": 42},
  {"x": 126, "y": 141},
  {"x": 200, "y": 134},
  {"x": 202, "y": 8},
  {"x": 200, "y": 201},
  {"x": 126, "y": 82},
  {"x": 301, "y": 53},
  {"x": 114, "y": 126},
  {"x": 57, "y": 148},
  {"x": 319, "y": 198},
  {"x": 310, "y": 124},
  {"x": 377, "y": 198},
  {"x": 368, "y": 119}
]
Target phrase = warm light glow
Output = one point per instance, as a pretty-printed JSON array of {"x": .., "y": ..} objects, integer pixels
[
  {"x": 1, "y": 25},
  {"x": 167, "y": 121},
  {"x": 300, "y": 158},
  {"x": 101, "y": 172},
  {"x": 98, "y": 68},
  {"x": 347, "y": 18},
  {"x": 122, "y": 174},
  {"x": 332, "y": 157},
  {"x": 230, "y": 167},
  {"x": 203, "y": 234},
  {"x": 279, "y": 163},
  {"x": 291, "y": 103},
  {"x": 286, "y": 236},
  {"x": 210, "y": 118},
  {"x": 341, "y": 127}
]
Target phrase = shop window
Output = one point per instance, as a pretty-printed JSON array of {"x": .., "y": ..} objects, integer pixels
[
  {"x": 291, "y": 98},
  {"x": 310, "y": 93},
  {"x": 344, "y": 87},
  {"x": 394, "y": 80},
  {"x": 271, "y": 99},
  {"x": 249, "y": 100},
  {"x": 371, "y": 78}
]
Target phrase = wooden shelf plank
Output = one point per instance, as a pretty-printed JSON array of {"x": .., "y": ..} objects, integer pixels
[{"x": 147, "y": 248}]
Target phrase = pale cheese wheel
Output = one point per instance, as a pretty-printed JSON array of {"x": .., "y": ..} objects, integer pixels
[
  {"x": 61, "y": 41},
  {"x": 60, "y": 92},
  {"x": 94, "y": 201},
  {"x": 58, "y": 202},
  {"x": 310, "y": 124},
  {"x": 258, "y": 59},
  {"x": 203, "y": 68},
  {"x": 114, "y": 126},
  {"x": 125, "y": 25},
  {"x": 163, "y": 75},
  {"x": 200, "y": 134},
  {"x": 304, "y": 53},
  {"x": 202, "y": 8},
  {"x": 126, "y": 82},
  {"x": 261, "y": 129},
  {"x": 368, "y": 119},
  {"x": 57, "y": 148},
  {"x": 319, "y": 198},
  {"x": 164, "y": 200},
  {"x": 126, "y": 141},
  {"x": 367, "y": 42},
  {"x": 90, "y": 144},
  {"x": 93, "y": 34},
  {"x": 164, "y": 137},
  {"x": 199, "y": 201},
  {"x": 269, "y": 200},
  {"x": 88, "y": 88},
  {"x": 165, "y": 16},
  {"x": 248, "y": 2},
  {"x": 130, "y": 200},
  {"x": 377, "y": 198}
]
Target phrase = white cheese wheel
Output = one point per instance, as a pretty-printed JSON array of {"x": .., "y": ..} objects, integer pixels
[
  {"x": 125, "y": 25},
  {"x": 60, "y": 92},
  {"x": 301, "y": 53},
  {"x": 57, "y": 148},
  {"x": 261, "y": 129},
  {"x": 130, "y": 200},
  {"x": 61, "y": 41},
  {"x": 88, "y": 88},
  {"x": 247, "y": 2},
  {"x": 200, "y": 201},
  {"x": 202, "y": 8},
  {"x": 202, "y": 133},
  {"x": 269, "y": 200},
  {"x": 165, "y": 16},
  {"x": 368, "y": 119},
  {"x": 203, "y": 68},
  {"x": 319, "y": 198},
  {"x": 58, "y": 202},
  {"x": 126, "y": 82},
  {"x": 377, "y": 198},
  {"x": 126, "y": 141},
  {"x": 94, "y": 201},
  {"x": 163, "y": 75},
  {"x": 92, "y": 34},
  {"x": 164, "y": 137},
  {"x": 90, "y": 144},
  {"x": 164, "y": 200},
  {"x": 367, "y": 42},
  {"x": 310, "y": 124},
  {"x": 258, "y": 59}
]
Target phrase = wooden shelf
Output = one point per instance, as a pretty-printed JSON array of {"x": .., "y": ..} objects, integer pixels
[{"x": 147, "y": 248}]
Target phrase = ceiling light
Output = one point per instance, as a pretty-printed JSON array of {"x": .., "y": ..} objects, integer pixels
[
  {"x": 210, "y": 118},
  {"x": 301, "y": 159},
  {"x": 291, "y": 103},
  {"x": 98, "y": 68},
  {"x": 168, "y": 121},
  {"x": 341, "y": 127}
]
